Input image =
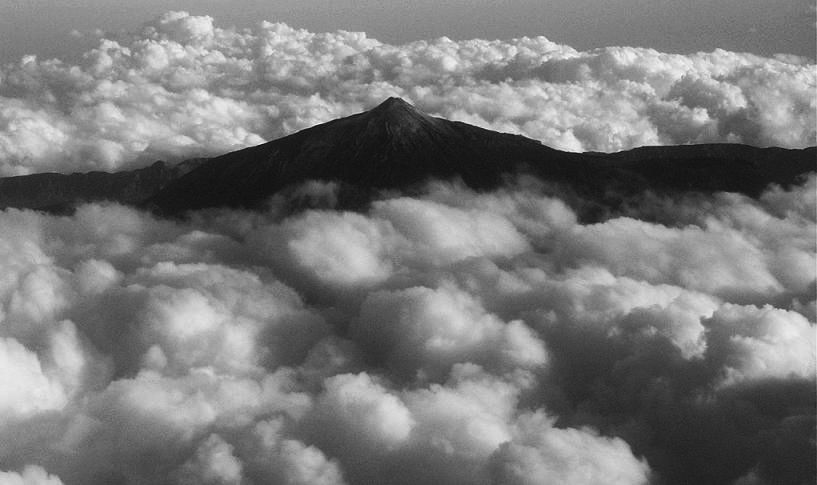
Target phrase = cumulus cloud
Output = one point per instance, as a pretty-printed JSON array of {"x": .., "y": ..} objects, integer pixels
[
  {"x": 183, "y": 86},
  {"x": 425, "y": 331},
  {"x": 452, "y": 336},
  {"x": 544, "y": 454},
  {"x": 360, "y": 407},
  {"x": 214, "y": 463},
  {"x": 756, "y": 339},
  {"x": 31, "y": 475},
  {"x": 27, "y": 390}
]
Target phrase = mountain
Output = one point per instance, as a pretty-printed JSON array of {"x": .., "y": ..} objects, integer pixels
[
  {"x": 55, "y": 192},
  {"x": 394, "y": 145}
]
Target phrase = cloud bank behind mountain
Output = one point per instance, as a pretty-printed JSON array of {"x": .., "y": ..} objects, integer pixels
[{"x": 183, "y": 87}]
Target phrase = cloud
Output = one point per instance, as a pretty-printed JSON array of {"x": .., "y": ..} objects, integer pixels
[
  {"x": 345, "y": 250},
  {"x": 277, "y": 459},
  {"x": 31, "y": 475},
  {"x": 214, "y": 463},
  {"x": 362, "y": 407},
  {"x": 183, "y": 86},
  {"x": 245, "y": 347},
  {"x": 423, "y": 331},
  {"x": 757, "y": 338},
  {"x": 27, "y": 389},
  {"x": 544, "y": 454},
  {"x": 442, "y": 234}
]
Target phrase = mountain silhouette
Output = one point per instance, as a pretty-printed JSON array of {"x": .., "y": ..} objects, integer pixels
[
  {"x": 391, "y": 146},
  {"x": 59, "y": 193},
  {"x": 394, "y": 145}
]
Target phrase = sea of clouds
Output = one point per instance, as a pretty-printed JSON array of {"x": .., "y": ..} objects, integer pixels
[
  {"x": 183, "y": 87},
  {"x": 450, "y": 337}
]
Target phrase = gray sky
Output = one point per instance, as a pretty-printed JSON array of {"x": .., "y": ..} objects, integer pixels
[{"x": 761, "y": 26}]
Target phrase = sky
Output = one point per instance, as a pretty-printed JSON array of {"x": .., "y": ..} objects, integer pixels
[{"x": 42, "y": 27}]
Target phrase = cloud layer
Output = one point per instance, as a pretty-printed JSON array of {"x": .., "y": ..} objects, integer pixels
[
  {"x": 184, "y": 87},
  {"x": 450, "y": 337}
]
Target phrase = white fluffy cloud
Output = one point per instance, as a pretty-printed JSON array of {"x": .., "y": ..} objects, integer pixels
[
  {"x": 183, "y": 86},
  {"x": 345, "y": 250},
  {"x": 424, "y": 331},
  {"x": 31, "y": 475},
  {"x": 26, "y": 389},
  {"x": 544, "y": 454},
  {"x": 214, "y": 463},
  {"x": 449, "y": 337},
  {"x": 762, "y": 343}
]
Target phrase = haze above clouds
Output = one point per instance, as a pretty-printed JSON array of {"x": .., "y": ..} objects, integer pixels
[
  {"x": 184, "y": 87},
  {"x": 784, "y": 26}
]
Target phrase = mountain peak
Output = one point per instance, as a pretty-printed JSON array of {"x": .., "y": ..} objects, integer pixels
[
  {"x": 394, "y": 105},
  {"x": 398, "y": 118},
  {"x": 395, "y": 145}
]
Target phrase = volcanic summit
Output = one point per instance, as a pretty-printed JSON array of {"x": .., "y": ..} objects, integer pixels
[{"x": 396, "y": 146}]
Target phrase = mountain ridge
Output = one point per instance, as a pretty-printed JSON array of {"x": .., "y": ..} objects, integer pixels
[
  {"x": 58, "y": 193},
  {"x": 395, "y": 145}
]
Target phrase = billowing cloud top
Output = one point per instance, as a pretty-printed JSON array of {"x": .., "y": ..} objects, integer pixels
[
  {"x": 450, "y": 337},
  {"x": 183, "y": 87}
]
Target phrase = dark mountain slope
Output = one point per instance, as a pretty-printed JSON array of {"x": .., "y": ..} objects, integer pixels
[
  {"x": 396, "y": 146},
  {"x": 55, "y": 192},
  {"x": 393, "y": 145},
  {"x": 714, "y": 167}
]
